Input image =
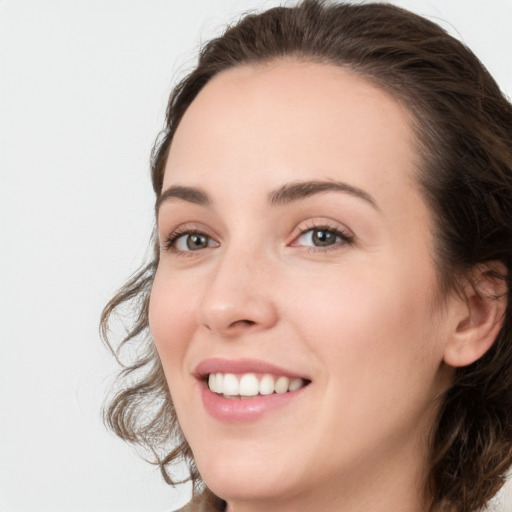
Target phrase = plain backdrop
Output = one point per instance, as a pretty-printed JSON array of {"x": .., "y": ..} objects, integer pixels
[{"x": 83, "y": 89}]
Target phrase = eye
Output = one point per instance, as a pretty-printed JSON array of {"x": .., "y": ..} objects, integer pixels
[
  {"x": 318, "y": 238},
  {"x": 189, "y": 241},
  {"x": 322, "y": 237}
]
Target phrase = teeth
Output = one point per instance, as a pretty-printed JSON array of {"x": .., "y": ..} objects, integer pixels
[
  {"x": 248, "y": 384},
  {"x": 219, "y": 381},
  {"x": 282, "y": 384},
  {"x": 295, "y": 384},
  {"x": 267, "y": 385},
  {"x": 212, "y": 382},
  {"x": 230, "y": 385}
]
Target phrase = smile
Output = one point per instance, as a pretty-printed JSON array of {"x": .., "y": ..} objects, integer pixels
[
  {"x": 246, "y": 390},
  {"x": 246, "y": 385}
]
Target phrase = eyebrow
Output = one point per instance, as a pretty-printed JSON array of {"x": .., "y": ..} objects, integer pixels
[
  {"x": 285, "y": 194},
  {"x": 303, "y": 189},
  {"x": 189, "y": 194}
]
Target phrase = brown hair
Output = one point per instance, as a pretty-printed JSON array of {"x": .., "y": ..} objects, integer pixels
[{"x": 463, "y": 125}]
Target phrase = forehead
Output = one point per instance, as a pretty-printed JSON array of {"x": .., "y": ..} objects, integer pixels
[{"x": 291, "y": 120}]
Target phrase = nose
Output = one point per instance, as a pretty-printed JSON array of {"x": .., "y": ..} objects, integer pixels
[{"x": 237, "y": 299}]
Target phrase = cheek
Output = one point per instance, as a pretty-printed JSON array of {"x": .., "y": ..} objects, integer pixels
[
  {"x": 373, "y": 334},
  {"x": 172, "y": 313},
  {"x": 373, "y": 319}
]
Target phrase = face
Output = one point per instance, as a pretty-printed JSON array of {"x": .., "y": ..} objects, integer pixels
[{"x": 296, "y": 279}]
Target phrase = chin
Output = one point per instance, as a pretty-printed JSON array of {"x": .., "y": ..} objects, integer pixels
[{"x": 244, "y": 479}]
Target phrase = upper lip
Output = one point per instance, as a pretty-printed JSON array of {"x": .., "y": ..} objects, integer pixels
[{"x": 220, "y": 365}]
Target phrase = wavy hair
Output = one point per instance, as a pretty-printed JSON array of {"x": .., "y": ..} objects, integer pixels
[{"x": 463, "y": 125}]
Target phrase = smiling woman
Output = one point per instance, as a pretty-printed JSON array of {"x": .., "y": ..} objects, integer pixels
[{"x": 329, "y": 295}]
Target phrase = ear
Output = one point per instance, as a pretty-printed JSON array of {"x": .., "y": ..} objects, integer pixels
[{"x": 478, "y": 316}]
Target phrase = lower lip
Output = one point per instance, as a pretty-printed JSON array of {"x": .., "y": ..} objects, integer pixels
[{"x": 246, "y": 410}]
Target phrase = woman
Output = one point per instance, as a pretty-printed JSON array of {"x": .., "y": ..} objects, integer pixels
[{"x": 328, "y": 301}]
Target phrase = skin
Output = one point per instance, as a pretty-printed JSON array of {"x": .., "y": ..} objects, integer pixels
[{"x": 359, "y": 319}]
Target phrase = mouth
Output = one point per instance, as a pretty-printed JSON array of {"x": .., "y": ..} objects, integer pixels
[
  {"x": 246, "y": 390},
  {"x": 248, "y": 385}
]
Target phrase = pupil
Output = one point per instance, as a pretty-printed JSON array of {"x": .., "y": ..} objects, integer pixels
[
  {"x": 322, "y": 238},
  {"x": 197, "y": 242}
]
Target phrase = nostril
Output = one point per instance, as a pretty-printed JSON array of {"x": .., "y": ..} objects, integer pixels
[
  {"x": 243, "y": 323},
  {"x": 236, "y": 315}
]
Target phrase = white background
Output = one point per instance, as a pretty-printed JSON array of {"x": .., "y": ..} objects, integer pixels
[{"x": 83, "y": 89}]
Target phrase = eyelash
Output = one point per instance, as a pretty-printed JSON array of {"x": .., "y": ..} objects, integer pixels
[
  {"x": 170, "y": 242},
  {"x": 346, "y": 238}
]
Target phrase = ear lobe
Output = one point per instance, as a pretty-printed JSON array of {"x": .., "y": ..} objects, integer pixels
[{"x": 478, "y": 316}]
